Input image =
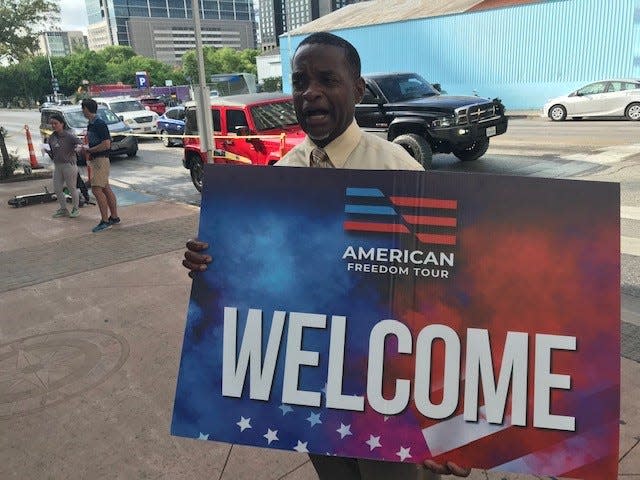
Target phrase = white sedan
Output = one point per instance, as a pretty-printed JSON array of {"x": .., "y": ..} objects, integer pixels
[{"x": 608, "y": 98}]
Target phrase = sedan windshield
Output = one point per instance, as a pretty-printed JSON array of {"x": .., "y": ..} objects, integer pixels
[
  {"x": 76, "y": 119},
  {"x": 127, "y": 106},
  {"x": 274, "y": 115},
  {"x": 406, "y": 87}
]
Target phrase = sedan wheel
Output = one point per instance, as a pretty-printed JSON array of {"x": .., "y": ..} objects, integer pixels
[
  {"x": 166, "y": 141},
  {"x": 633, "y": 112},
  {"x": 557, "y": 113}
]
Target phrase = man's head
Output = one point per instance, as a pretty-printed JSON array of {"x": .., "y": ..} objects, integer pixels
[
  {"x": 325, "y": 74},
  {"x": 89, "y": 107}
]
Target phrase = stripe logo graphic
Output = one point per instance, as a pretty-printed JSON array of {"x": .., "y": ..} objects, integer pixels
[{"x": 432, "y": 221}]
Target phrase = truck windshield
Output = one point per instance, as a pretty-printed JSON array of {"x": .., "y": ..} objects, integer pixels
[
  {"x": 274, "y": 115},
  {"x": 406, "y": 87}
]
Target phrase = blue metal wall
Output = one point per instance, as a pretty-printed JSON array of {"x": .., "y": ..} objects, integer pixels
[{"x": 522, "y": 54}]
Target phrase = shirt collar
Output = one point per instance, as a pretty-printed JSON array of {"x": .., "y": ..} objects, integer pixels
[{"x": 340, "y": 148}]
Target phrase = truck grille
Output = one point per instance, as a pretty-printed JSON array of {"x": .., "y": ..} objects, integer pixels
[
  {"x": 143, "y": 119},
  {"x": 476, "y": 113}
]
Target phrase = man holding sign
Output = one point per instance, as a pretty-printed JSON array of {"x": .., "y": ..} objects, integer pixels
[{"x": 326, "y": 87}]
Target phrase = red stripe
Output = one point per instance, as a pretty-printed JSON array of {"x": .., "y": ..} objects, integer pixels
[
  {"x": 424, "y": 202},
  {"x": 375, "y": 227},
  {"x": 437, "y": 239},
  {"x": 426, "y": 220}
]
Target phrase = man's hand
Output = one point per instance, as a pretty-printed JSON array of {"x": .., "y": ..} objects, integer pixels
[
  {"x": 448, "y": 468},
  {"x": 193, "y": 259}
]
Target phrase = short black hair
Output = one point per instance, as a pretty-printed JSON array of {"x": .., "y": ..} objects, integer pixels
[
  {"x": 58, "y": 116},
  {"x": 326, "y": 38},
  {"x": 90, "y": 104}
]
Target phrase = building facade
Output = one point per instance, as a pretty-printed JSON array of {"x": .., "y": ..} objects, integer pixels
[
  {"x": 141, "y": 24},
  {"x": 61, "y": 44},
  {"x": 280, "y": 16},
  {"x": 502, "y": 49}
]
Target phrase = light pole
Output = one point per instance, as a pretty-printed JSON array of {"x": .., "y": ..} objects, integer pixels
[{"x": 54, "y": 83}]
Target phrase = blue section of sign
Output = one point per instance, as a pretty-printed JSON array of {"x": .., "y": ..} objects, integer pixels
[
  {"x": 367, "y": 209},
  {"x": 364, "y": 192},
  {"x": 142, "y": 80}
]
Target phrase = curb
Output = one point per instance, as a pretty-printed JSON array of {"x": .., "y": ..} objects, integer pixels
[{"x": 22, "y": 177}]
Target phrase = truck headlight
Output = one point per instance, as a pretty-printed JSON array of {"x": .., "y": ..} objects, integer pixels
[{"x": 442, "y": 122}]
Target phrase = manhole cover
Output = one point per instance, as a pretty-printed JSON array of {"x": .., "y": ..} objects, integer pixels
[{"x": 39, "y": 371}]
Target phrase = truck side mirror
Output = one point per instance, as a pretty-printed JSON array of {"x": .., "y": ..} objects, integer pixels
[
  {"x": 242, "y": 130},
  {"x": 437, "y": 86}
]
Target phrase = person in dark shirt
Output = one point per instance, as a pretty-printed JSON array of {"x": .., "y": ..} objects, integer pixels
[{"x": 98, "y": 148}]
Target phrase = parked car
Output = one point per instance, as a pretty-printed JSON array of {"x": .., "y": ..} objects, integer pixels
[
  {"x": 405, "y": 109},
  {"x": 121, "y": 144},
  {"x": 172, "y": 123},
  {"x": 154, "y": 104},
  {"x": 132, "y": 112},
  {"x": 607, "y": 98},
  {"x": 239, "y": 116}
]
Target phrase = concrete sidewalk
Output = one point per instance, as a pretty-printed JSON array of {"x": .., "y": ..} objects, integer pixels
[{"x": 90, "y": 335}]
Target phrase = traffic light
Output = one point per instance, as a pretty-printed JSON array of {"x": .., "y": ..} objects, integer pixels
[{"x": 54, "y": 84}]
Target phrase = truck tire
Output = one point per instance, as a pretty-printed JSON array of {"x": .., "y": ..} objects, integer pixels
[
  {"x": 417, "y": 146},
  {"x": 197, "y": 173},
  {"x": 474, "y": 152}
]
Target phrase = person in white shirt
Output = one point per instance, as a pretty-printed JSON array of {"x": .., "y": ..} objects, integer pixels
[{"x": 327, "y": 85}]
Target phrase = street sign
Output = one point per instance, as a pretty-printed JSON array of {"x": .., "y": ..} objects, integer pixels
[
  {"x": 55, "y": 85},
  {"x": 142, "y": 80}
]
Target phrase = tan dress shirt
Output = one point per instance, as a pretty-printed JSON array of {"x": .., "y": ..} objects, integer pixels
[{"x": 355, "y": 149}]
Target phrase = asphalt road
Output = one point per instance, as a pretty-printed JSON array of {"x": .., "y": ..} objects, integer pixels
[{"x": 605, "y": 150}]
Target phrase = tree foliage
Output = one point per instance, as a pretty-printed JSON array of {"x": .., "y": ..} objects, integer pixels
[
  {"x": 30, "y": 80},
  {"x": 20, "y": 23}
]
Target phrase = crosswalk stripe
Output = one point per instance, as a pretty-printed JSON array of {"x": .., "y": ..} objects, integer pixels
[
  {"x": 630, "y": 245},
  {"x": 630, "y": 213}
]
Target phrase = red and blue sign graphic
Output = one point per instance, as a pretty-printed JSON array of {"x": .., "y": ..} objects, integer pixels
[
  {"x": 311, "y": 333},
  {"x": 370, "y": 210}
]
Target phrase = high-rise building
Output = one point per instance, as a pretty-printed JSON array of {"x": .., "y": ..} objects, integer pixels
[
  {"x": 280, "y": 16},
  {"x": 60, "y": 44},
  {"x": 163, "y": 29}
]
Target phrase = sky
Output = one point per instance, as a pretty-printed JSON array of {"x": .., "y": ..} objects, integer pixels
[{"x": 73, "y": 15}]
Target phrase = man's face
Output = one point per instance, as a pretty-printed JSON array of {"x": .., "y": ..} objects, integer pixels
[
  {"x": 325, "y": 91},
  {"x": 86, "y": 113}
]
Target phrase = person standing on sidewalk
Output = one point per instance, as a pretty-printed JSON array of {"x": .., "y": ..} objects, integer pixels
[
  {"x": 98, "y": 148},
  {"x": 62, "y": 150},
  {"x": 326, "y": 87}
]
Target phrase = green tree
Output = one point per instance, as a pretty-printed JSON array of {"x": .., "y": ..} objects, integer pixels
[
  {"x": 81, "y": 66},
  {"x": 20, "y": 23}
]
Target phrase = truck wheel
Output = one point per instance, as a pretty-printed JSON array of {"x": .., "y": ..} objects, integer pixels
[
  {"x": 474, "y": 152},
  {"x": 417, "y": 147},
  {"x": 197, "y": 172},
  {"x": 132, "y": 153}
]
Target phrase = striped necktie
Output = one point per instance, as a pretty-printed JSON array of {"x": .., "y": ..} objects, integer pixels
[{"x": 320, "y": 159}]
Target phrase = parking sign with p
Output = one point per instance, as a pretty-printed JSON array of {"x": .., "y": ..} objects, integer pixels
[{"x": 142, "y": 80}]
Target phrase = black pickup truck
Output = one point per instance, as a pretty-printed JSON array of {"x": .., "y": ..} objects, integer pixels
[{"x": 408, "y": 110}]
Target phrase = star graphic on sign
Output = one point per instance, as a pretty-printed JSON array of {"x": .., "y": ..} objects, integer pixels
[
  {"x": 344, "y": 430},
  {"x": 271, "y": 435},
  {"x": 285, "y": 409},
  {"x": 244, "y": 423},
  {"x": 386, "y": 418},
  {"x": 404, "y": 453},
  {"x": 314, "y": 419},
  {"x": 373, "y": 442},
  {"x": 202, "y": 436},
  {"x": 301, "y": 447}
]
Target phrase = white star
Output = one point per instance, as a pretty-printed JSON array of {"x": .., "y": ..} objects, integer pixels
[
  {"x": 373, "y": 442},
  {"x": 301, "y": 447},
  {"x": 404, "y": 453},
  {"x": 386, "y": 418},
  {"x": 271, "y": 435},
  {"x": 203, "y": 436},
  {"x": 285, "y": 409},
  {"x": 344, "y": 430},
  {"x": 314, "y": 419},
  {"x": 244, "y": 423}
]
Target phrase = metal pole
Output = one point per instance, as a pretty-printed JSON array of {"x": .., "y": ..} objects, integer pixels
[
  {"x": 203, "y": 101},
  {"x": 46, "y": 41}
]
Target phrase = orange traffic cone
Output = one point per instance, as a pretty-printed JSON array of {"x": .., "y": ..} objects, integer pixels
[{"x": 32, "y": 154}]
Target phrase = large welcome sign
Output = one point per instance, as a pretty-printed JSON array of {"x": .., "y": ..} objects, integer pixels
[{"x": 403, "y": 316}]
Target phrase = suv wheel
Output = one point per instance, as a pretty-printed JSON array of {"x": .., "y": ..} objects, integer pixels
[
  {"x": 132, "y": 153},
  {"x": 197, "y": 173},
  {"x": 474, "y": 152},
  {"x": 166, "y": 141},
  {"x": 417, "y": 147}
]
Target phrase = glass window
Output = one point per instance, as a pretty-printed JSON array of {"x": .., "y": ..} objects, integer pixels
[
  {"x": 593, "y": 89},
  {"x": 274, "y": 115},
  {"x": 126, "y": 106},
  {"x": 236, "y": 118}
]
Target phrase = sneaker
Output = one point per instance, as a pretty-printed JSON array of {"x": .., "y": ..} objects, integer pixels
[
  {"x": 114, "y": 220},
  {"x": 101, "y": 226},
  {"x": 61, "y": 212},
  {"x": 74, "y": 212}
]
